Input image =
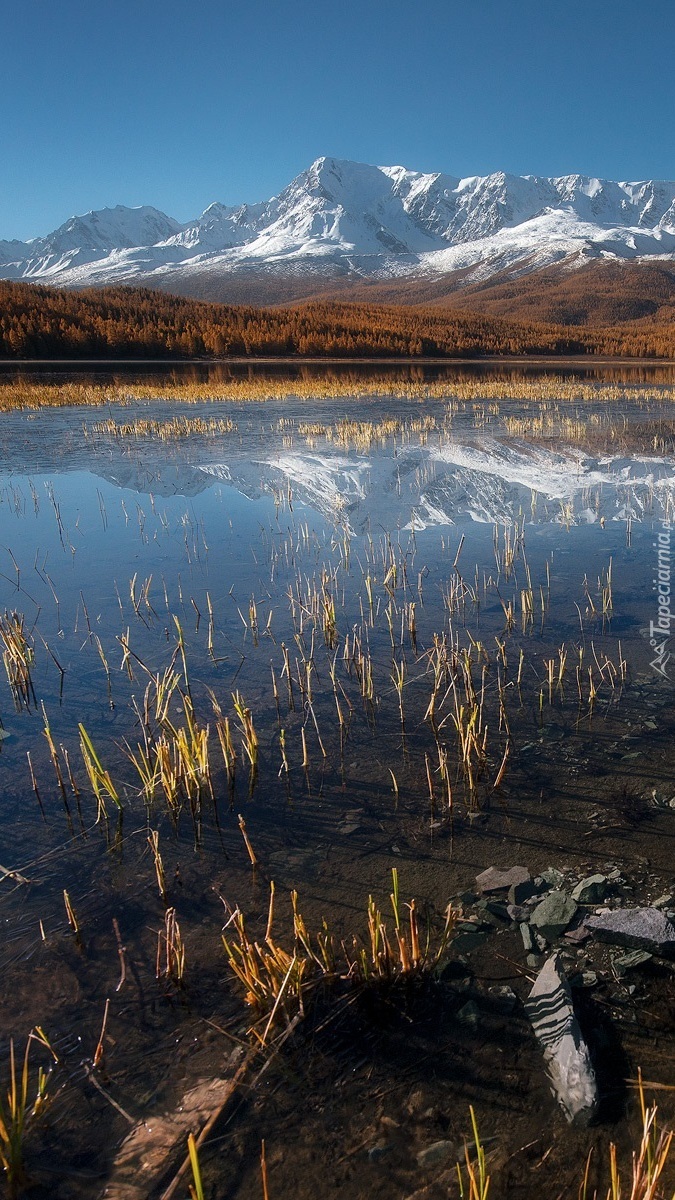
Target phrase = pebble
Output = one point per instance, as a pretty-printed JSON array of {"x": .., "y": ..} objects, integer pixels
[{"x": 437, "y": 1152}]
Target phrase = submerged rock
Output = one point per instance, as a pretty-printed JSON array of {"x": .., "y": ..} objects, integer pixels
[
  {"x": 553, "y": 915},
  {"x": 494, "y": 880},
  {"x": 628, "y": 962},
  {"x": 637, "y": 928},
  {"x": 437, "y": 1152},
  {"x": 591, "y": 890},
  {"x": 568, "y": 1061}
]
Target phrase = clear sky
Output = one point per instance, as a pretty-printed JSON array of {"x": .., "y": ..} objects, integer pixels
[{"x": 181, "y": 103}]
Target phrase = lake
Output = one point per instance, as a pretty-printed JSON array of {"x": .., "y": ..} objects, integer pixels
[{"x": 407, "y": 619}]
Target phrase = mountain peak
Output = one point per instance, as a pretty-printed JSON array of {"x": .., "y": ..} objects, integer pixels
[{"x": 344, "y": 216}]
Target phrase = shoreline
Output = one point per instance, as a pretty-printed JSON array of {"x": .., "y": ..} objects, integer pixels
[{"x": 511, "y": 360}]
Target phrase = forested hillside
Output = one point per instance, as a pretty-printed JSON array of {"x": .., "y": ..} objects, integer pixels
[{"x": 41, "y": 322}]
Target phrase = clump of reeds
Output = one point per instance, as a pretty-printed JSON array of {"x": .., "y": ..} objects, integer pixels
[
  {"x": 18, "y": 657},
  {"x": 173, "y": 758},
  {"x": 249, "y": 737},
  {"x": 18, "y": 1110},
  {"x": 170, "y": 950},
  {"x": 171, "y": 429},
  {"x": 457, "y": 389},
  {"x": 278, "y": 980}
]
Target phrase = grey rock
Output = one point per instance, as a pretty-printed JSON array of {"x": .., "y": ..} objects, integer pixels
[
  {"x": 533, "y": 961},
  {"x": 526, "y": 935},
  {"x": 552, "y": 916},
  {"x": 494, "y": 880},
  {"x": 637, "y": 928},
  {"x": 469, "y": 936},
  {"x": 663, "y": 901},
  {"x": 578, "y": 934},
  {"x": 499, "y": 910},
  {"x": 568, "y": 1061},
  {"x": 518, "y": 912},
  {"x": 628, "y": 962},
  {"x": 553, "y": 877},
  {"x": 437, "y": 1152},
  {"x": 590, "y": 890}
]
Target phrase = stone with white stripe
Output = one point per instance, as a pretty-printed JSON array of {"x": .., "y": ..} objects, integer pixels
[{"x": 568, "y": 1062}]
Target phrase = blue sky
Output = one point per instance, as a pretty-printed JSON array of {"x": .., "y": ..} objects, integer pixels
[{"x": 178, "y": 104}]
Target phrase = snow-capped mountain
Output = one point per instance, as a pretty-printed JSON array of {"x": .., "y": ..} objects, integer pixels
[{"x": 346, "y": 218}]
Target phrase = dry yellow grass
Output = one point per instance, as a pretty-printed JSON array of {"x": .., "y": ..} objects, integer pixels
[{"x": 28, "y": 395}]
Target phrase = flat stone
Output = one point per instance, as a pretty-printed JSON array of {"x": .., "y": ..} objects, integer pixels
[
  {"x": 437, "y": 1152},
  {"x": 578, "y": 935},
  {"x": 568, "y": 1062},
  {"x": 637, "y": 928},
  {"x": 552, "y": 916},
  {"x": 628, "y": 962},
  {"x": 663, "y": 901},
  {"x": 158, "y": 1141},
  {"x": 379, "y": 1151},
  {"x": 590, "y": 890},
  {"x": 494, "y": 880}
]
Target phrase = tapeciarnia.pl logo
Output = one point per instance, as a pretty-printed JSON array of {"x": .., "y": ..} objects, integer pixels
[{"x": 659, "y": 630}]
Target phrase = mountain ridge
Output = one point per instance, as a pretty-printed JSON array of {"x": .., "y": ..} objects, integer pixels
[{"x": 348, "y": 220}]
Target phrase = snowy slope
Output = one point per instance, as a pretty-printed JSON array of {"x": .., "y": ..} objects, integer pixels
[{"x": 367, "y": 221}]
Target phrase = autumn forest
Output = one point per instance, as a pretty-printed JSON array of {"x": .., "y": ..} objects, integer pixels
[{"x": 38, "y": 322}]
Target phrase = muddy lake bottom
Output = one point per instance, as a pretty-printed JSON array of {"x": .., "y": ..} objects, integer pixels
[{"x": 336, "y": 567}]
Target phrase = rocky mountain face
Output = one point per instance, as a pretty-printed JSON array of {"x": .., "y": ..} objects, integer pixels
[{"x": 345, "y": 220}]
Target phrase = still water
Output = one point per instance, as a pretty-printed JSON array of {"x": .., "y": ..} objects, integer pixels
[{"x": 358, "y": 574}]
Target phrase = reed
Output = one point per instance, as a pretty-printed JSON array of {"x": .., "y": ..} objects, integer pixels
[
  {"x": 153, "y": 842},
  {"x": 196, "y": 1187},
  {"x": 100, "y": 780},
  {"x": 249, "y": 737},
  {"x": 477, "y": 1184},
  {"x": 552, "y": 388},
  {"x": 170, "y": 962},
  {"x": 18, "y": 656},
  {"x": 18, "y": 1111}
]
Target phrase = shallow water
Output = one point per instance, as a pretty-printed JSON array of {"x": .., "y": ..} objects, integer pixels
[{"x": 521, "y": 537}]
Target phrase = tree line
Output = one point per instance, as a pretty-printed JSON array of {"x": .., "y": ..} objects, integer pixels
[{"x": 123, "y": 322}]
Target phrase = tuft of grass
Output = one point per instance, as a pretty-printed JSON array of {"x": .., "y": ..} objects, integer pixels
[
  {"x": 17, "y": 1111},
  {"x": 279, "y": 980}
]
